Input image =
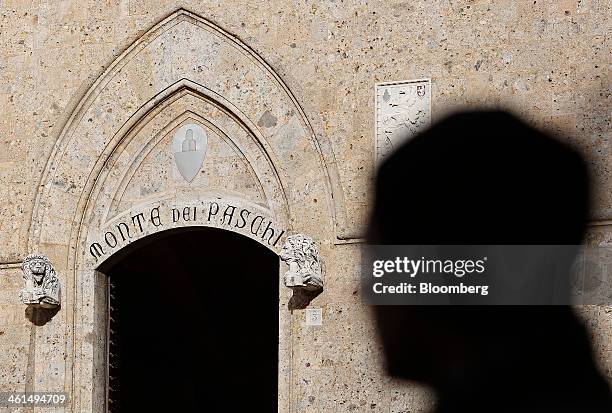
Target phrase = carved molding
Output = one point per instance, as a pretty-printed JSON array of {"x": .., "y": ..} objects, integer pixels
[{"x": 42, "y": 287}]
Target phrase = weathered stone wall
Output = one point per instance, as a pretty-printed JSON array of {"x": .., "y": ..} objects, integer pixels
[
  {"x": 547, "y": 60},
  {"x": 15, "y": 333}
]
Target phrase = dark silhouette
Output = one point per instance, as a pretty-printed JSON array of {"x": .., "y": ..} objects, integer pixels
[{"x": 488, "y": 178}]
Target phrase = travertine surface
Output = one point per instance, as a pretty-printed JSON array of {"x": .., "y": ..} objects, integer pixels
[{"x": 84, "y": 141}]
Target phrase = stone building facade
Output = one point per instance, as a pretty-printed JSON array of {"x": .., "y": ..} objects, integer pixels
[{"x": 278, "y": 97}]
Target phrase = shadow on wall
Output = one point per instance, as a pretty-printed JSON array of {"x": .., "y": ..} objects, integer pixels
[
  {"x": 487, "y": 178},
  {"x": 39, "y": 316}
]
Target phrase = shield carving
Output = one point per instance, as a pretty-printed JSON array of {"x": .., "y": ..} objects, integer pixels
[
  {"x": 189, "y": 147},
  {"x": 420, "y": 90}
]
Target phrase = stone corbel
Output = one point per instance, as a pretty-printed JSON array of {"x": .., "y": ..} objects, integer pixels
[
  {"x": 42, "y": 287},
  {"x": 305, "y": 274}
]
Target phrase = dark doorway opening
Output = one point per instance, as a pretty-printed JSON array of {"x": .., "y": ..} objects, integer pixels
[{"x": 193, "y": 324}]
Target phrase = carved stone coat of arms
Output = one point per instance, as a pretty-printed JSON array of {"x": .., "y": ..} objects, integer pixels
[{"x": 189, "y": 148}]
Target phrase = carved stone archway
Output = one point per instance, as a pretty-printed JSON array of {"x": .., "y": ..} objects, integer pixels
[{"x": 111, "y": 179}]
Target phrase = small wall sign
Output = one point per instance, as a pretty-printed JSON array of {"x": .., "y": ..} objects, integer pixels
[{"x": 314, "y": 316}]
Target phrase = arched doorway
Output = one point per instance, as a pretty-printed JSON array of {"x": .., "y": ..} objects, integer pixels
[
  {"x": 112, "y": 180},
  {"x": 193, "y": 323}
]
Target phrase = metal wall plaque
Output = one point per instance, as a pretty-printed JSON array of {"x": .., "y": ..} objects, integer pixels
[{"x": 403, "y": 109}]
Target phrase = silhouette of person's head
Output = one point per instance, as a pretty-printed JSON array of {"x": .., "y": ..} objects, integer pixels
[{"x": 487, "y": 178}]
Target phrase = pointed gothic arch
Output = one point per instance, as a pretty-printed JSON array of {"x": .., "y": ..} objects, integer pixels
[{"x": 185, "y": 67}]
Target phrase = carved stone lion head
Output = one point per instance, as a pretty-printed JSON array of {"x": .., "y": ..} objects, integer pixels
[
  {"x": 38, "y": 268},
  {"x": 303, "y": 251}
]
